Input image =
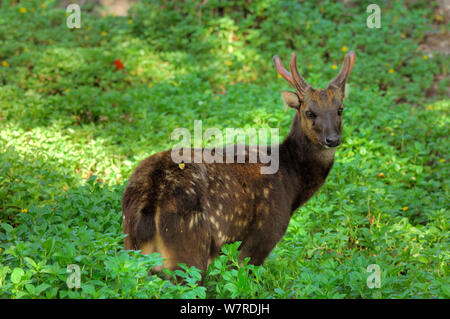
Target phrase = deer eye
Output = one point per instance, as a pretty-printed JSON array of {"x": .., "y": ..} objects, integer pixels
[
  {"x": 340, "y": 110},
  {"x": 310, "y": 114}
]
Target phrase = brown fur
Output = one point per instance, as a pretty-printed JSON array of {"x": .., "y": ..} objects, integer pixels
[{"x": 187, "y": 214}]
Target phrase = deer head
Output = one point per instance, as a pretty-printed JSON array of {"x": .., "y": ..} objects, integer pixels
[{"x": 319, "y": 111}]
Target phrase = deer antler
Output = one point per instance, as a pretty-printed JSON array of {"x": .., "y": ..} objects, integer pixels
[
  {"x": 341, "y": 78},
  {"x": 294, "y": 78}
]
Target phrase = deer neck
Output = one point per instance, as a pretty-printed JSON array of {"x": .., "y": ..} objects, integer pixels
[{"x": 304, "y": 165}]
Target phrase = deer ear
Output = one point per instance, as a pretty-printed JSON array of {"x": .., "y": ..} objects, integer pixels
[{"x": 291, "y": 99}]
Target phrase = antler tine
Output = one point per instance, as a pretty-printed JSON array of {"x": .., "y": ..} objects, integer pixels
[
  {"x": 347, "y": 67},
  {"x": 282, "y": 71},
  {"x": 300, "y": 83}
]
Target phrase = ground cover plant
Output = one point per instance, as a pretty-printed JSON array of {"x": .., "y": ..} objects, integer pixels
[{"x": 79, "y": 108}]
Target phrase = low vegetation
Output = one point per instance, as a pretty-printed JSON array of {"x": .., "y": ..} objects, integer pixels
[{"x": 79, "y": 108}]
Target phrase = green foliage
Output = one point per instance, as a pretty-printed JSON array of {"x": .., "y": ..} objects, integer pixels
[
  {"x": 228, "y": 278},
  {"x": 83, "y": 231},
  {"x": 73, "y": 128}
]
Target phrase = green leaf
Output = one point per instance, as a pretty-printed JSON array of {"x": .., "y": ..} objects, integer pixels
[
  {"x": 88, "y": 289},
  {"x": 423, "y": 259},
  {"x": 41, "y": 288},
  {"x": 17, "y": 275},
  {"x": 31, "y": 289},
  {"x": 31, "y": 262},
  {"x": 279, "y": 291},
  {"x": 7, "y": 227}
]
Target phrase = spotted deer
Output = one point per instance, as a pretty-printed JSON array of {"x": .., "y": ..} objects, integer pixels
[{"x": 187, "y": 212}]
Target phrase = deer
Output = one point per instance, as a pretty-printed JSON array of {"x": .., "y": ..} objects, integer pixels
[{"x": 188, "y": 212}]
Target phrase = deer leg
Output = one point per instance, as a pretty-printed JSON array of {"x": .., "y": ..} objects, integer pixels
[
  {"x": 261, "y": 239},
  {"x": 173, "y": 255},
  {"x": 180, "y": 239},
  {"x": 257, "y": 246}
]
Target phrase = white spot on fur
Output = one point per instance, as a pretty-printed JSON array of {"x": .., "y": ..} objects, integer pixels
[{"x": 214, "y": 222}]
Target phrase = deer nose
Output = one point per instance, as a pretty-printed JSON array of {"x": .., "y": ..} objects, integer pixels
[{"x": 333, "y": 140}]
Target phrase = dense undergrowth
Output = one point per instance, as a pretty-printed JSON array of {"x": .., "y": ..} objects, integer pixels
[{"x": 74, "y": 124}]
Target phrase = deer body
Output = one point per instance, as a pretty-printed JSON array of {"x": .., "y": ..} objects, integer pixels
[{"x": 188, "y": 213}]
